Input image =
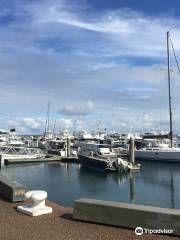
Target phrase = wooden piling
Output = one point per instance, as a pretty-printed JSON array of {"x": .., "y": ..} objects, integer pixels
[
  {"x": 65, "y": 147},
  {"x": 68, "y": 147},
  {"x": 132, "y": 150}
]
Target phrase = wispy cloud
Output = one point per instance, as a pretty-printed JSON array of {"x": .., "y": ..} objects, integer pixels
[
  {"x": 78, "y": 109},
  {"x": 123, "y": 31}
]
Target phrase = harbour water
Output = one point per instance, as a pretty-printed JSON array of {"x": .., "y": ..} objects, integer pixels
[{"x": 157, "y": 184}]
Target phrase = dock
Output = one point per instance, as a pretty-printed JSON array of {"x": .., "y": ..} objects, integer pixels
[
  {"x": 50, "y": 158},
  {"x": 60, "y": 226}
]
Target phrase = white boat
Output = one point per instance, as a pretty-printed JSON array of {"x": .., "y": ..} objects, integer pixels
[
  {"x": 166, "y": 154},
  {"x": 10, "y": 138},
  {"x": 84, "y": 135}
]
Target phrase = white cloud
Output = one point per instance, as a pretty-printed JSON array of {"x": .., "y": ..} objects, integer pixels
[
  {"x": 32, "y": 123},
  {"x": 77, "y": 109},
  {"x": 65, "y": 123},
  {"x": 65, "y": 52}
]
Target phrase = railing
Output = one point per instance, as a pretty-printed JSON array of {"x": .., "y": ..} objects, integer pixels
[{"x": 20, "y": 150}]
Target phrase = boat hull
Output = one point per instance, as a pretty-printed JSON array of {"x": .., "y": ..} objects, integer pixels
[
  {"x": 91, "y": 162},
  {"x": 164, "y": 156}
]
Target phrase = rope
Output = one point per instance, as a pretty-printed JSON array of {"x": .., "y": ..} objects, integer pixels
[
  {"x": 175, "y": 56},
  {"x": 177, "y": 64}
]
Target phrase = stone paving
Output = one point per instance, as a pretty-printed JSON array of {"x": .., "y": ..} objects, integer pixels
[{"x": 59, "y": 226}]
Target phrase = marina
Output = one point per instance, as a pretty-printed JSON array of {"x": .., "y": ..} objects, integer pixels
[{"x": 89, "y": 120}]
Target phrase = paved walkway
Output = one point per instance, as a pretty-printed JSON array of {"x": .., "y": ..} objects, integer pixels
[{"x": 59, "y": 226}]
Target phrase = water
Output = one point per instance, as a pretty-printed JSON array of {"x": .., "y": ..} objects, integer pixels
[{"x": 157, "y": 184}]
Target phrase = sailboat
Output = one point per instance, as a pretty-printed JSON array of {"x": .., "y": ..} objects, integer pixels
[{"x": 167, "y": 153}]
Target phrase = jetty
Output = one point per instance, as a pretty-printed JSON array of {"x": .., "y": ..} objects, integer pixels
[{"x": 49, "y": 158}]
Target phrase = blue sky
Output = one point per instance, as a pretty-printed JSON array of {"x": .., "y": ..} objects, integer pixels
[
  {"x": 153, "y": 7},
  {"x": 94, "y": 60}
]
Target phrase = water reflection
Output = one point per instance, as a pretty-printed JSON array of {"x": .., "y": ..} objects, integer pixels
[
  {"x": 132, "y": 188},
  {"x": 172, "y": 192},
  {"x": 92, "y": 181},
  {"x": 156, "y": 184},
  {"x": 159, "y": 184}
]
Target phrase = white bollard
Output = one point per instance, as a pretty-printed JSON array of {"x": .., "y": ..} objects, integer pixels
[{"x": 38, "y": 206}]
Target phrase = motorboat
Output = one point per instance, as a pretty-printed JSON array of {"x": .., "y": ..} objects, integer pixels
[
  {"x": 100, "y": 156},
  {"x": 57, "y": 146}
]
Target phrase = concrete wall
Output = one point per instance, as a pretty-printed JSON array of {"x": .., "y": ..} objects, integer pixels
[
  {"x": 12, "y": 190},
  {"x": 127, "y": 215}
]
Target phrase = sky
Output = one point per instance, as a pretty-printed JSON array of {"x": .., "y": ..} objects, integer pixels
[{"x": 99, "y": 63}]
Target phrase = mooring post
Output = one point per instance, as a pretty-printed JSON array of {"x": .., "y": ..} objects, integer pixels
[
  {"x": 68, "y": 147},
  {"x": 65, "y": 146},
  {"x": 132, "y": 150}
]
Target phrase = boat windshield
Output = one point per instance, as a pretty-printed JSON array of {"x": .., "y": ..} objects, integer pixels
[{"x": 103, "y": 146}]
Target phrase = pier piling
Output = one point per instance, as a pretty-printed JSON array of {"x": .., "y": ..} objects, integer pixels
[
  {"x": 132, "y": 150},
  {"x": 68, "y": 147}
]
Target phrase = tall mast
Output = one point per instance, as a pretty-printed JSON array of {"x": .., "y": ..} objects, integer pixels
[
  {"x": 48, "y": 117},
  {"x": 46, "y": 132},
  {"x": 169, "y": 88}
]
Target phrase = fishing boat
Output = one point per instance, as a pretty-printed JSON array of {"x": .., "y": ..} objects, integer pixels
[{"x": 163, "y": 152}]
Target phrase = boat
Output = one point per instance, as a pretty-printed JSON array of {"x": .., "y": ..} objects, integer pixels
[
  {"x": 57, "y": 146},
  {"x": 162, "y": 152},
  {"x": 166, "y": 154},
  {"x": 10, "y": 138},
  {"x": 100, "y": 156}
]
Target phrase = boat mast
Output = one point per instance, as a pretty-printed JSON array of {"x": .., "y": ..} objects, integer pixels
[
  {"x": 169, "y": 88},
  {"x": 46, "y": 132},
  {"x": 48, "y": 118}
]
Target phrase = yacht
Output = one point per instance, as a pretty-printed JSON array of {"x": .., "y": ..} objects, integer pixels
[
  {"x": 84, "y": 135},
  {"x": 14, "y": 140},
  {"x": 162, "y": 152},
  {"x": 10, "y": 138},
  {"x": 100, "y": 156},
  {"x": 3, "y": 137},
  {"x": 159, "y": 153}
]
